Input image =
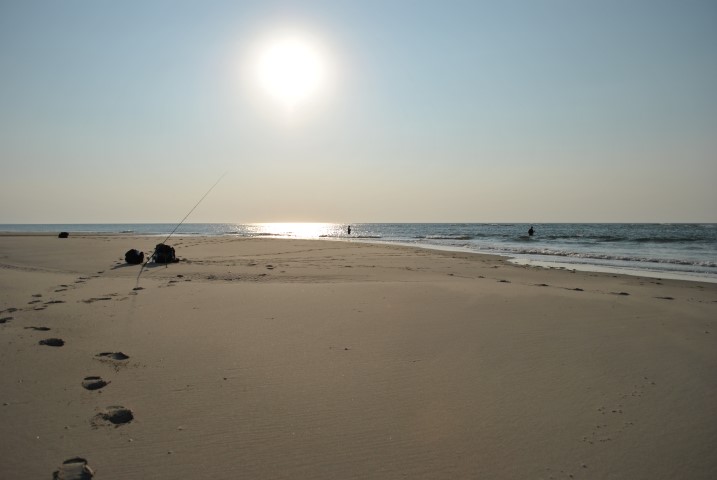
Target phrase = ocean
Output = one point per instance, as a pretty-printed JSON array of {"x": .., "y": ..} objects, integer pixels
[{"x": 675, "y": 250}]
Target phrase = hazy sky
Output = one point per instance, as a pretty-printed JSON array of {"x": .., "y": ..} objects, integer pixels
[{"x": 475, "y": 111}]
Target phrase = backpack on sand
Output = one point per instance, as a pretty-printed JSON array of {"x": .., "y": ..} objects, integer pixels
[
  {"x": 164, "y": 254},
  {"x": 134, "y": 257}
]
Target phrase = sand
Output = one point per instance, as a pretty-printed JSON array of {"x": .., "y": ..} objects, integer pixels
[{"x": 270, "y": 358}]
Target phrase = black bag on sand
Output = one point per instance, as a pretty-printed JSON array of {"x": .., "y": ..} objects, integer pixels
[
  {"x": 164, "y": 254},
  {"x": 134, "y": 257},
  {"x": 63, "y": 235}
]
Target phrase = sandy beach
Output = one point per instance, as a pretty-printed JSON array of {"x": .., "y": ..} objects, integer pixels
[{"x": 274, "y": 358}]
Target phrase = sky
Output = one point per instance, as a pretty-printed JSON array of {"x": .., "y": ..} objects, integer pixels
[{"x": 428, "y": 111}]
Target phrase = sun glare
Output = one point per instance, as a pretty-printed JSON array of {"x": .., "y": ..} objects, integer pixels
[
  {"x": 297, "y": 230},
  {"x": 291, "y": 70}
]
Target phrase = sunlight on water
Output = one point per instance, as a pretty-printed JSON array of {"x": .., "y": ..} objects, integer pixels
[{"x": 297, "y": 230}]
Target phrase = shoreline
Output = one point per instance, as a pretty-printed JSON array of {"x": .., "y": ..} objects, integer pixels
[
  {"x": 512, "y": 258},
  {"x": 558, "y": 265},
  {"x": 633, "y": 272}
]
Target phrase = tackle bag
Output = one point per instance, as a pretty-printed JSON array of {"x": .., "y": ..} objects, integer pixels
[
  {"x": 164, "y": 254},
  {"x": 134, "y": 257}
]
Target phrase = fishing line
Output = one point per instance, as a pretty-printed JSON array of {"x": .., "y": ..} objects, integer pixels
[
  {"x": 179, "y": 225},
  {"x": 195, "y": 206}
]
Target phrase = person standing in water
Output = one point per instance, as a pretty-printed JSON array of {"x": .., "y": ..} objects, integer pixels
[
  {"x": 349, "y": 230},
  {"x": 531, "y": 231}
]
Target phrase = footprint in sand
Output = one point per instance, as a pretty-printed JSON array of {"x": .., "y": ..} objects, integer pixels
[
  {"x": 9, "y": 310},
  {"x": 5, "y": 319},
  {"x": 616, "y": 418},
  {"x": 112, "y": 356},
  {"x": 94, "y": 383},
  {"x": 96, "y": 299},
  {"x": 39, "y": 329},
  {"x": 52, "y": 342},
  {"x": 115, "y": 415},
  {"x": 52, "y": 302},
  {"x": 73, "y": 469}
]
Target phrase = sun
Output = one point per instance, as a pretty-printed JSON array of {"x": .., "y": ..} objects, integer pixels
[{"x": 291, "y": 69}]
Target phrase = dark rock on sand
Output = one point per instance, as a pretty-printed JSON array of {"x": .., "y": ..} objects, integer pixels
[{"x": 63, "y": 235}]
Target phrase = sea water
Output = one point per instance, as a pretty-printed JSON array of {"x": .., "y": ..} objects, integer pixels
[{"x": 662, "y": 250}]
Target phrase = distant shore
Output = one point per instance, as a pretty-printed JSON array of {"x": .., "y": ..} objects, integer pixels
[{"x": 286, "y": 358}]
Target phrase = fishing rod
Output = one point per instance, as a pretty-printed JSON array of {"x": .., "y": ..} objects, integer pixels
[
  {"x": 195, "y": 206},
  {"x": 180, "y": 224}
]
